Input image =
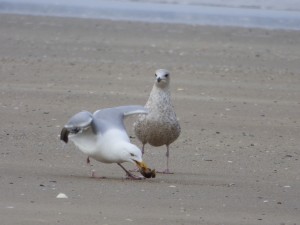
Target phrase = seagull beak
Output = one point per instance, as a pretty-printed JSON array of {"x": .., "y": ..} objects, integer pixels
[
  {"x": 141, "y": 165},
  {"x": 144, "y": 170}
]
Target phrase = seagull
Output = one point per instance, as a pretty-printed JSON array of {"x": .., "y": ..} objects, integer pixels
[
  {"x": 160, "y": 126},
  {"x": 103, "y": 137}
]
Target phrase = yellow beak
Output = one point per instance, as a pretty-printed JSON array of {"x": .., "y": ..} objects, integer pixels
[{"x": 141, "y": 165}]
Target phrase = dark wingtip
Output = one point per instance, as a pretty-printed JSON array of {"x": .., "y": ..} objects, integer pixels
[{"x": 64, "y": 135}]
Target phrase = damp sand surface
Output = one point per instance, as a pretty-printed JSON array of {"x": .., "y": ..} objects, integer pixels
[{"x": 236, "y": 92}]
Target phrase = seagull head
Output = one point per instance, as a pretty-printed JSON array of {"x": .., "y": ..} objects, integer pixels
[
  {"x": 162, "y": 78},
  {"x": 134, "y": 154}
]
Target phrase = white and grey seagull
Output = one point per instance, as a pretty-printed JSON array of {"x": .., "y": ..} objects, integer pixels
[{"x": 103, "y": 137}]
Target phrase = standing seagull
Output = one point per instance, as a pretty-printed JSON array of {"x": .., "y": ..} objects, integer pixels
[
  {"x": 103, "y": 137},
  {"x": 160, "y": 126}
]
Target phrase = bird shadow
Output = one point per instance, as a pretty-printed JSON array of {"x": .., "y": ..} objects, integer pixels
[{"x": 178, "y": 178}]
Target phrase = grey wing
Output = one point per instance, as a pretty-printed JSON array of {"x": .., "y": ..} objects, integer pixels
[
  {"x": 80, "y": 120},
  {"x": 77, "y": 123},
  {"x": 132, "y": 109},
  {"x": 113, "y": 117}
]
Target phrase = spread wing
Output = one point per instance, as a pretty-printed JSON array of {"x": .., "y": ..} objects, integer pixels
[
  {"x": 101, "y": 121},
  {"x": 110, "y": 118}
]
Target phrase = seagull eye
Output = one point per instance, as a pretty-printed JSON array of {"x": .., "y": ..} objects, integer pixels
[
  {"x": 131, "y": 154},
  {"x": 156, "y": 75},
  {"x": 167, "y": 75}
]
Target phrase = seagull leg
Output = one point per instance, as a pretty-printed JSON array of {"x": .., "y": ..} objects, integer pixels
[
  {"x": 168, "y": 154},
  {"x": 130, "y": 175},
  {"x": 93, "y": 174},
  {"x": 88, "y": 161},
  {"x": 167, "y": 171}
]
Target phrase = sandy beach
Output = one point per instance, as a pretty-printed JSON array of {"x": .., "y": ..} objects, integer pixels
[{"x": 236, "y": 92}]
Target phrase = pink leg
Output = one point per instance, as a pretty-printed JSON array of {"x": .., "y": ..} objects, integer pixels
[
  {"x": 88, "y": 161},
  {"x": 166, "y": 171},
  {"x": 93, "y": 174},
  {"x": 130, "y": 175},
  {"x": 95, "y": 177},
  {"x": 143, "y": 149}
]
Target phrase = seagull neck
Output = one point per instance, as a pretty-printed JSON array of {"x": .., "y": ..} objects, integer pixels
[{"x": 165, "y": 89}]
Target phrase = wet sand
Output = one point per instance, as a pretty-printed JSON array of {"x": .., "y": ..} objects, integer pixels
[{"x": 236, "y": 92}]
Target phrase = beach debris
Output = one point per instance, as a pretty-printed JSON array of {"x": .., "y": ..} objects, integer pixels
[{"x": 61, "y": 195}]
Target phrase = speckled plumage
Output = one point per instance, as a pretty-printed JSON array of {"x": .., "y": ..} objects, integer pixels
[{"x": 160, "y": 126}]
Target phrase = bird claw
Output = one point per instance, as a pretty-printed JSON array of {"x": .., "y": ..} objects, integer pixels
[
  {"x": 93, "y": 175},
  {"x": 133, "y": 177},
  {"x": 135, "y": 170}
]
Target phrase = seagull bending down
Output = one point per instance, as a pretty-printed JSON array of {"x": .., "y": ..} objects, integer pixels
[
  {"x": 160, "y": 126},
  {"x": 103, "y": 137}
]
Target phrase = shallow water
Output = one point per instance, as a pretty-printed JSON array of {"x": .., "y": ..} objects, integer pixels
[{"x": 158, "y": 12}]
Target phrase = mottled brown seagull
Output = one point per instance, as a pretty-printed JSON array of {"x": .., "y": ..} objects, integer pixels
[{"x": 160, "y": 126}]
